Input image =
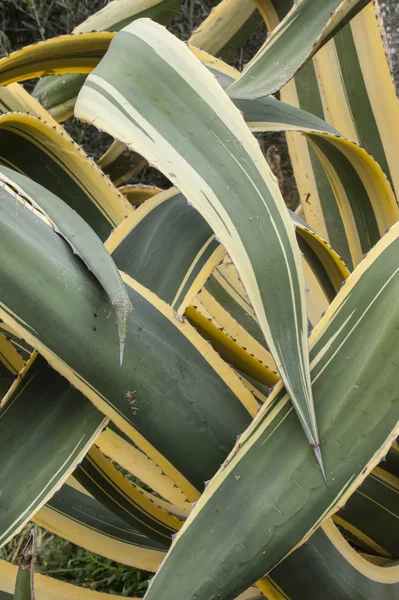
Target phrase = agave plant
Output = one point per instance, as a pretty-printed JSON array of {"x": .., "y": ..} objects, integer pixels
[{"x": 201, "y": 338}]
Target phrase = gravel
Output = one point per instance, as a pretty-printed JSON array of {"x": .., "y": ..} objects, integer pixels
[{"x": 390, "y": 16}]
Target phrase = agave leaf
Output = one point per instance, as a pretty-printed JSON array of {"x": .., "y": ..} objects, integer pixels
[
  {"x": 118, "y": 449},
  {"x": 13, "y": 98},
  {"x": 206, "y": 172},
  {"x": 77, "y": 517},
  {"x": 328, "y": 562},
  {"x": 227, "y": 27},
  {"x": 362, "y": 196},
  {"x": 357, "y": 431},
  {"x": 301, "y": 33},
  {"x": 136, "y": 194},
  {"x": 58, "y": 94},
  {"x": 372, "y": 512},
  {"x": 83, "y": 241},
  {"x": 362, "y": 212},
  {"x": 125, "y": 499},
  {"x": 119, "y": 13},
  {"x": 145, "y": 246},
  {"x": 64, "y": 54},
  {"x": 168, "y": 247},
  {"x": 46, "y": 428}
]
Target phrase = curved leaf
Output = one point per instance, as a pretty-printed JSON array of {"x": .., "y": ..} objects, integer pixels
[{"x": 64, "y": 54}]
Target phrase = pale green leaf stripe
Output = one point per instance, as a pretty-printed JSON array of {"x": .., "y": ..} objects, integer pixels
[
  {"x": 350, "y": 371},
  {"x": 84, "y": 351},
  {"x": 199, "y": 140},
  {"x": 83, "y": 241},
  {"x": 300, "y": 34},
  {"x": 328, "y": 563},
  {"x": 46, "y": 427}
]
